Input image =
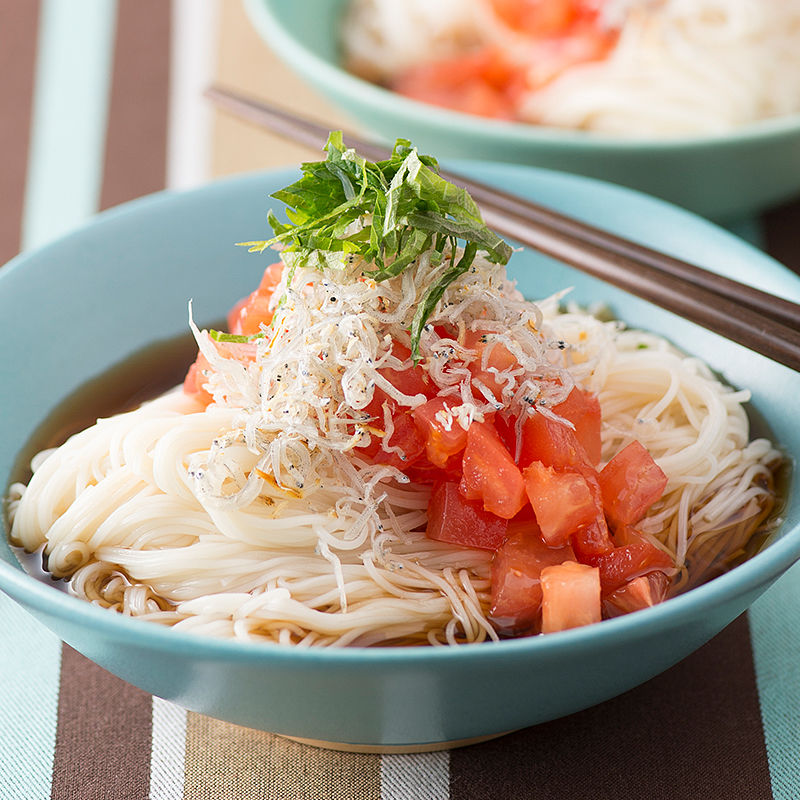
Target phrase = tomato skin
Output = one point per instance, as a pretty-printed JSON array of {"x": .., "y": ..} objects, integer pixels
[
  {"x": 247, "y": 316},
  {"x": 570, "y": 596},
  {"x": 442, "y": 441},
  {"x": 453, "y": 519},
  {"x": 582, "y": 409},
  {"x": 516, "y": 589},
  {"x": 562, "y": 501},
  {"x": 629, "y": 561},
  {"x": 631, "y": 482},
  {"x": 490, "y": 474}
]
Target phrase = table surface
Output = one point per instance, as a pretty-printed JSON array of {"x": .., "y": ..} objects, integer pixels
[{"x": 103, "y": 105}]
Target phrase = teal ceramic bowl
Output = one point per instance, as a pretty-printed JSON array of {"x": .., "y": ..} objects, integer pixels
[
  {"x": 71, "y": 311},
  {"x": 724, "y": 177}
]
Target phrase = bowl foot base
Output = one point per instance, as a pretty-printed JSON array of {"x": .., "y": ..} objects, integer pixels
[{"x": 429, "y": 747}]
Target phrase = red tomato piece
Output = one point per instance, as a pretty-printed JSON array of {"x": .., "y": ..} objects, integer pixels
[
  {"x": 404, "y": 436},
  {"x": 444, "y": 437},
  {"x": 629, "y": 561},
  {"x": 516, "y": 590},
  {"x": 453, "y": 519},
  {"x": 410, "y": 381},
  {"x": 592, "y": 541},
  {"x": 498, "y": 360},
  {"x": 562, "y": 501},
  {"x": 551, "y": 442},
  {"x": 537, "y": 17},
  {"x": 570, "y": 596},
  {"x": 582, "y": 409},
  {"x": 642, "y": 592},
  {"x": 631, "y": 482},
  {"x": 490, "y": 474},
  {"x": 481, "y": 82},
  {"x": 194, "y": 381},
  {"x": 247, "y": 316}
]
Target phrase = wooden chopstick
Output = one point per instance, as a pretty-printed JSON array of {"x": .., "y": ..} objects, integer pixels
[{"x": 758, "y": 320}]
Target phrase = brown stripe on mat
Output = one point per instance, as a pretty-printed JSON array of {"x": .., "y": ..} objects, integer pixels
[
  {"x": 136, "y": 141},
  {"x": 18, "y": 28},
  {"x": 781, "y": 233},
  {"x": 692, "y": 732},
  {"x": 227, "y": 762},
  {"x": 103, "y": 735}
]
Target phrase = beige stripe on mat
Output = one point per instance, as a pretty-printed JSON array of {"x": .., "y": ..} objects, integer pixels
[
  {"x": 228, "y": 762},
  {"x": 245, "y": 63}
]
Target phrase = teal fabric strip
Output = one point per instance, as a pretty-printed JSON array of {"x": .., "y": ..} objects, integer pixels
[
  {"x": 775, "y": 634},
  {"x": 30, "y": 660},
  {"x": 73, "y": 77},
  {"x": 775, "y": 637}
]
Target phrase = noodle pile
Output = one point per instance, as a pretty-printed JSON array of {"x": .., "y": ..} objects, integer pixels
[
  {"x": 679, "y": 67},
  {"x": 258, "y": 518}
]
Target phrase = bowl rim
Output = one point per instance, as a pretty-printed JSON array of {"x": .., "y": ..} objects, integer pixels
[
  {"x": 762, "y": 569},
  {"x": 338, "y": 80}
]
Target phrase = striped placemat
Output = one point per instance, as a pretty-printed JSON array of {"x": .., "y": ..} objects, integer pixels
[{"x": 99, "y": 104}]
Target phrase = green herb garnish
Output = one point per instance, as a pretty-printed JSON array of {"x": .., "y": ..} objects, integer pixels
[{"x": 389, "y": 213}]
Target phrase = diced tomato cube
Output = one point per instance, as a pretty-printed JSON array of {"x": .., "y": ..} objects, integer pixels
[
  {"x": 516, "y": 590},
  {"x": 631, "y": 482},
  {"x": 498, "y": 360},
  {"x": 193, "y": 383},
  {"x": 405, "y": 437},
  {"x": 490, "y": 474},
  {"x": 195, "y": 380},
  {"x": 582, "y": 409},
  {"x": 642, "y": 592},
  {"x": 444, "y": 437},
  {"x": 562, "y": 501},
  {"x": 629, "y": 561},
  {"x": 481, "y": 82},
  {"x": 592, "y": 541},
  {"x": 247, "y": 316},
  {"x": 551, "y": 442},
  {"x": 410, "y": 381},
  {"x": 570, "y": 596},
  {"x": 537, "y": 18},
  {"x": 453, "y": 519}
]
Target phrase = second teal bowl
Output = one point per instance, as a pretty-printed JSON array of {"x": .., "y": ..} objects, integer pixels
[{"x": 725, "y": 177}]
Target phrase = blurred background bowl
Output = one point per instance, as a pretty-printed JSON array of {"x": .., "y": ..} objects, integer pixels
[
  {"x": 123, "y": 284},
  {"x": 726, "y": 177}
]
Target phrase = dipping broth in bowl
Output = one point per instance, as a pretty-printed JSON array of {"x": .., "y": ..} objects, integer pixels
[{"x": 344, "y": 466}]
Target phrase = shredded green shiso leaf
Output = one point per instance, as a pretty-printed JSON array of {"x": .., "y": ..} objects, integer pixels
[{"x": 389, "y": 213}]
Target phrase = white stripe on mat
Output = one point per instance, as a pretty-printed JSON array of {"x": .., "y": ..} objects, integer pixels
[
  {"x": 417, "y": 776},
  {"x": 168, "y": 751},
  {"x": 70, "y": 114},
  {"x": 195, "y": 27}
]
